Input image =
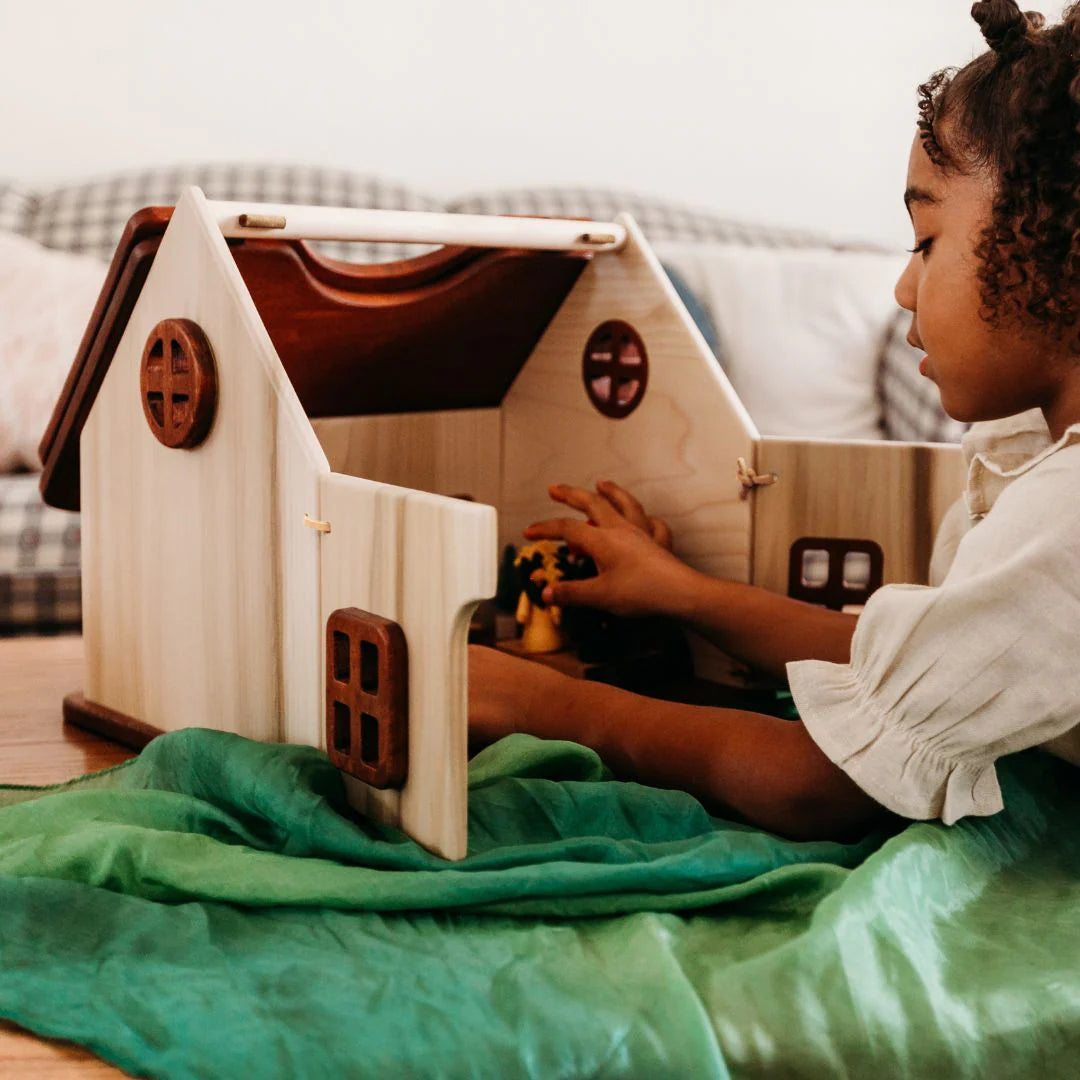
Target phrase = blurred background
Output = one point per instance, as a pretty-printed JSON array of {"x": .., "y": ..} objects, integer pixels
[{"x": 787, "y": 112}]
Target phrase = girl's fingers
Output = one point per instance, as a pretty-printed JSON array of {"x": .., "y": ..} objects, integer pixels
[
  {"x": 624, "y": 502},
  {"x": 587, "y": 593},
  {"x": 661, "y": 532},
  {"x": 572, "y": 530},
  {"x": 599, "y": 510}
]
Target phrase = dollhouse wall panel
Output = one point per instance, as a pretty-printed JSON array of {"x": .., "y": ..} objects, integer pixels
[
  {"x": 360, "y": 568},
  {"x": 676, "y": 451},
  {"x": 199, "y": 575},
  {"x": 453, "y": 452},
  {"x": 423, "y": 561},
  {"x": 894, "y": 494}
]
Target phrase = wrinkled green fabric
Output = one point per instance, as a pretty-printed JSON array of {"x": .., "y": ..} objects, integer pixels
[{"x": 208, "y": 910}]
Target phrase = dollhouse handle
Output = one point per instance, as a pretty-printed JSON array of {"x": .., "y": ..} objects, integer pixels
[{"x": 272, "y": 220}]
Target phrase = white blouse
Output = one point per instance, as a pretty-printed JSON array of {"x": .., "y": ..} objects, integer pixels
[{"x": 946, "y": 678}]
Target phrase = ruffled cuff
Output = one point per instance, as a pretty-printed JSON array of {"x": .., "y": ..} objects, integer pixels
[{"x": 884, "y": 758}]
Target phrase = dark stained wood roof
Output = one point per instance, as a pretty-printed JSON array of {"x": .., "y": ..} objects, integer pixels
[{"x": 447, "y": 330}]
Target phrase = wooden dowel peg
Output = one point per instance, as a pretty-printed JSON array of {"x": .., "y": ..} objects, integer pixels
[
  {"x": 314, "y": 523},
  {"x": 262, "y": 221}
]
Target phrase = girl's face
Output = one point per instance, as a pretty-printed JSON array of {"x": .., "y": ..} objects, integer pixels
[{"x": 981, "y": 373}]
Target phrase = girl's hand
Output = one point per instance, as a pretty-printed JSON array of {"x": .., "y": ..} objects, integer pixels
[
  {"x": 636, "y": 573},
  {"x": 618, "y": 499},
  {"x": 504, "y": 693}
]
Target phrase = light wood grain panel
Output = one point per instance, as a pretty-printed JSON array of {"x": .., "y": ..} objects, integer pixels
[
  {"x": 447, "y": 453},
  {"x": 200, "y": 579},
  {"x": 423, "y": 561},
  {"x": 676, "y": 451},
  {"x": 362, "y": 567},
  {"x": 892, "y": 493}
]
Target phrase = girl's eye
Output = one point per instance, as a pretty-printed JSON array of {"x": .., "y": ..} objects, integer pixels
[{"x": 924, "y": 247}]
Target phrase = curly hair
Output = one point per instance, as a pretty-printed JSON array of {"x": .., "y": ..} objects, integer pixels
[{"x": 1015, "y": 111}]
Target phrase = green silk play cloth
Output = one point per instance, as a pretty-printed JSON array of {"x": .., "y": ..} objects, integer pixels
[{"x": 210, "y": 909}]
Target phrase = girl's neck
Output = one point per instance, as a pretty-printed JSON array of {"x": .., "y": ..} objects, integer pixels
[{"x": 1064, "y": 410}]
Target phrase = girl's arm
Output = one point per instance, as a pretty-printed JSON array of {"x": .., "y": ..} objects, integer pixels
[
  {"x": 762, "y": 628},
  {"x": 638, "y": 575},
  {"x": 766, "y": 770}
]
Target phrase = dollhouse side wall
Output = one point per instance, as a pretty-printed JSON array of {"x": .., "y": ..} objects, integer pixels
[
  {"x": 890, "y": 492},
  {"x": 423, "y": 561},
  {"x": 676, "y": 451},
  {"x": 449, "y": 452},
  {"x": 200, "y": 580}
]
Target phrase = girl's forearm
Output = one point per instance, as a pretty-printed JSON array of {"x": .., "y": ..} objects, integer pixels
[
  {"x": 762, "y": 628},
  {"x": 768, "y": 771}
]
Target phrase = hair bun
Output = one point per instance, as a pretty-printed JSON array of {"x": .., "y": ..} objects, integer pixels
[{"x": 1006, "y": 28}]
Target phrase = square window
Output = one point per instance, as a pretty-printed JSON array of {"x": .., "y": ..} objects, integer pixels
[
  {"x": 341, "y": 656},
  {"x": 815, "y": 568},
  {"x": 857, "y": 570},
  {"x": 369, "y": 739},
  {"x": 342, "y": 728},
  {"x": 369, "y": 667}
]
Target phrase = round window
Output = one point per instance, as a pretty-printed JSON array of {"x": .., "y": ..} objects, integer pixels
[
  {"x": 615, "y": 368},
  {"x": 178, "y": 383}
]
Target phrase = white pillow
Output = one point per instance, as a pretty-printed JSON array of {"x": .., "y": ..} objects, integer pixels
[
  {"x": 46, "y": 299},
  {"x": 800, "y": 330}
]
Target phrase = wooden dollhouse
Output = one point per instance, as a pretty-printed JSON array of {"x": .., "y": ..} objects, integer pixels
[{"x": 268, "y": 449}]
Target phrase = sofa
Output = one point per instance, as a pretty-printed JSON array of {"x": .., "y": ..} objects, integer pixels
[{"x": 804, "y": 325}]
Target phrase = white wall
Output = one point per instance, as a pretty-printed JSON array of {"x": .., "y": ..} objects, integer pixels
[{"x": 790, "y": 112}]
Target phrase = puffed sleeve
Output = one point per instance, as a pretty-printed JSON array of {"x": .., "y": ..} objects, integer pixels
[{"x": 945, "y": 679}]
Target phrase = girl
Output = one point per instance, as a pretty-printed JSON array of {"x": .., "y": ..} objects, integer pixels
[{"x": 905, "y": 707}]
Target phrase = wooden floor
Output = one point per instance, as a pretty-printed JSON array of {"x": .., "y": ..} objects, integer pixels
[{"x": 36, "y": 748}]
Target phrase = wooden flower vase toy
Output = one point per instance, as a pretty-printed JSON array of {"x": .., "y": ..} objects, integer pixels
[{"x": 266, "y": 446}]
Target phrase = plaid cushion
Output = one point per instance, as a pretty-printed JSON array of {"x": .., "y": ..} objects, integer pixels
[
  {"x": 911, "y": 405},
  {"x": 90, "y": 217},
  {"x": 39, "y": 559},
  {"x": 660, "y": 219},
  {"x": 15, "y": 205}
]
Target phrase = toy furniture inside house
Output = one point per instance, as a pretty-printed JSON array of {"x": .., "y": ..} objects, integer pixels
[{"x": 269, "y": 448}]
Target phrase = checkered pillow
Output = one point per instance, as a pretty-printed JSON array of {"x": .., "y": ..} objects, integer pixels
[
  {"x": 14, "y": 206},
  {"x": 911, "y": 405},
  {"x": 39, "y": 560},
  {"x": 90, "y": 217}
]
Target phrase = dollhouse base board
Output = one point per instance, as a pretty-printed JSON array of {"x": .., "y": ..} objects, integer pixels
[{"x": 108, "y": 723}]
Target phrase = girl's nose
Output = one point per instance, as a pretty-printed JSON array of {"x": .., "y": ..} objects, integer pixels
[{"x": 906, "y": 289}]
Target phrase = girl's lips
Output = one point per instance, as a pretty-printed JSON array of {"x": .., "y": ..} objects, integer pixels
[{"x": 923, "y": 370}]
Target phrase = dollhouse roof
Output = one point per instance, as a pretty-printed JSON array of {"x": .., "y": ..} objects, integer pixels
[{"x": 447, "y": 330}]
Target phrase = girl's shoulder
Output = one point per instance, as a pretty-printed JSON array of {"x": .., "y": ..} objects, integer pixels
[
  {"x": 1017, "y": 456},
  {"x": 1009, "y": 441},
  {"x": 1031, "y": 482}
]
